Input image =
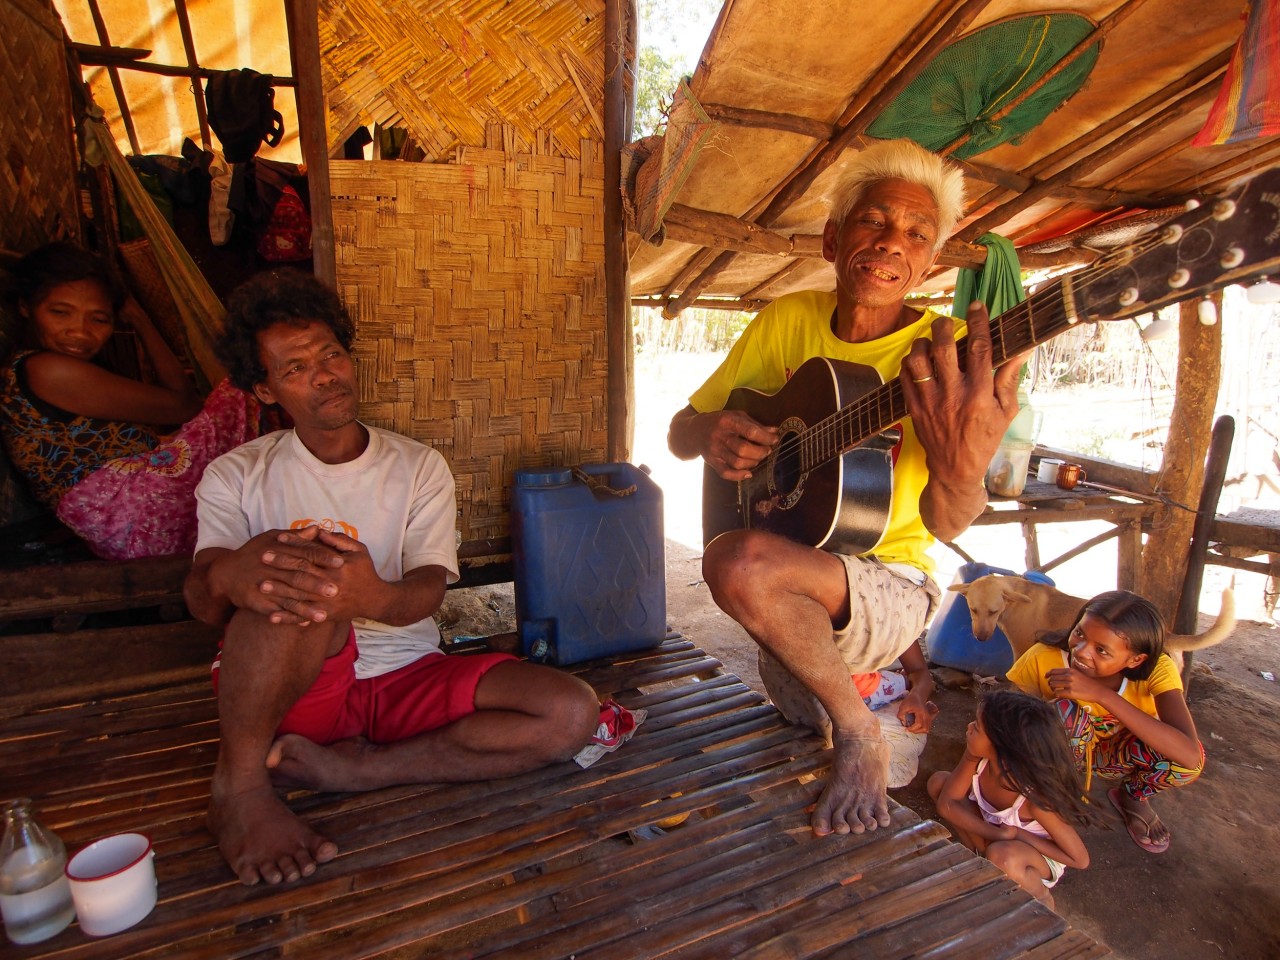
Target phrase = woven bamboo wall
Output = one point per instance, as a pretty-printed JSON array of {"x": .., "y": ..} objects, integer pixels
[
  {"x": 478, "y": 293},
  {"x": 445, "y": 69},
  {"x": 37, "y": 163}
]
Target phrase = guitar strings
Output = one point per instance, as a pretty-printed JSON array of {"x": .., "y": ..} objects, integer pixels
[{"x": 832, "y": 435}]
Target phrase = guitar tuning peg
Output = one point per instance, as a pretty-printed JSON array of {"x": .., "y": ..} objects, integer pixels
[
  {"x": 1171, "y": 233},
  {"x": 1160, "y": 327},
  {"x": 1207, "y": 310},
  {"x": 1224, "y": 209},
  {"x": 1179, "y": 278},
  {"x": 1264, "y": 291},
  {"x": 1231, "y": 257},
  {"x": 1128, "y": 296}
]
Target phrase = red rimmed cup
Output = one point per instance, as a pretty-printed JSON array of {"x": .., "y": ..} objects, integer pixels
[{"x": 113, "y": 883}]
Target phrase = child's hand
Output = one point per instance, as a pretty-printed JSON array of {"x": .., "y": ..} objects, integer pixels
[
  {"x": 916, "y": 714},
  {"x": 1070, "y": 683}
]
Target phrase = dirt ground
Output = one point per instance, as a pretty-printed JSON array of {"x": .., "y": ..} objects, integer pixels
[{"x": 1213, "y": 894}]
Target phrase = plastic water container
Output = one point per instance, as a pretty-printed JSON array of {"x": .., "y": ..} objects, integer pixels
[
  {"x": 1026, "y": 424},
  {"x": 950, "y": 640},
  {"x": 589, "y": 566},
  {"x": 1007, "y": 472}
]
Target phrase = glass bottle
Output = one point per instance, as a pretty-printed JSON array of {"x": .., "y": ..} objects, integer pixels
[{"x": 35, "y": 897}]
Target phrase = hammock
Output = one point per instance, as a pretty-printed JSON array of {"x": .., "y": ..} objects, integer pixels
[{"x": 198, "y": 306}]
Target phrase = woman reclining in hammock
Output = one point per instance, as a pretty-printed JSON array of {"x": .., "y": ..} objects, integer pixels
[{"x": 96, "y": 447}]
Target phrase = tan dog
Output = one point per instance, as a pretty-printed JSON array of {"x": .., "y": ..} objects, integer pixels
[{"x": 1024, "y": 609}]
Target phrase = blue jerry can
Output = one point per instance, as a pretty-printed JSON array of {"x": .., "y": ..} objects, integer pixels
[
  {"x": 589, "y": 566},
  {"x": 950, "y": 640}
]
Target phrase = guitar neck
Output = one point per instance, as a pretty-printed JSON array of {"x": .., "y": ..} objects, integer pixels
[
  {"x": 1037, "y": 319},
  {"x": 1231, "y": 238}
]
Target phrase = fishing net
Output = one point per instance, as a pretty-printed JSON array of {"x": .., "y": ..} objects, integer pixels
[{"x": 961, "y": 95}]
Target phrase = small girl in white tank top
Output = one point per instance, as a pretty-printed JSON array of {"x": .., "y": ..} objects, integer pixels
[{"x": 1016, "y": 796}]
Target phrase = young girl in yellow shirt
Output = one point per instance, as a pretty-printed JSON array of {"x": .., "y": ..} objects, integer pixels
[{"x": 1120, "y": 698}]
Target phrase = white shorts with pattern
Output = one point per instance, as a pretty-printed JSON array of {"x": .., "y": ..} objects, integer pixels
[{"x": 887, "y": 613}]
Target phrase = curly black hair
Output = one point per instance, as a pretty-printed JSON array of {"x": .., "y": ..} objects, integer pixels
[
  {"x": 280, "y": 296},
  {"x": 1034, "y": 753},
  {"x": 1133, "y": 618},
  {"x": 35, "y": 275}
]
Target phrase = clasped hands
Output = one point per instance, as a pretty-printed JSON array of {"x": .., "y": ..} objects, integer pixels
[{"x": 298, "y": 577}]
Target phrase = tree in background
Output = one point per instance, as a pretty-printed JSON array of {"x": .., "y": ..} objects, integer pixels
[{"x": 671, "y": 36}]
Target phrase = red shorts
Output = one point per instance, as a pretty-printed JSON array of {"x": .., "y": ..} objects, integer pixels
[{"x": 420, "y": 696}]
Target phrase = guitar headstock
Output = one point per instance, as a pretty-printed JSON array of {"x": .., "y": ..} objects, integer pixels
[{"x": 1227, "y": 239}]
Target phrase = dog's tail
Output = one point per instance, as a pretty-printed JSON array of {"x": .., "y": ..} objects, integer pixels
[{"x": 1220, "y": 630}]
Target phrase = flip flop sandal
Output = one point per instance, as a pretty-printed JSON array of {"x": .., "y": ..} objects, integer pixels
[{"x": 1142, "y": 839}]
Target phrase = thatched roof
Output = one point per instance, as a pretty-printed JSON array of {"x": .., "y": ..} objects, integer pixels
[{"x": 787, "y": 91}]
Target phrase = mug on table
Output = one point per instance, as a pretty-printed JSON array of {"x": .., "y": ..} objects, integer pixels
[
  {"x": 1070, "y": 474},
  {"x": 1047, "y": 472},
  {"x": 113, "y": 883}
]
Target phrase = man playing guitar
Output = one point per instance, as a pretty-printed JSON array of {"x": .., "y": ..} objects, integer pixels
[{"x": 816, "y": 615}]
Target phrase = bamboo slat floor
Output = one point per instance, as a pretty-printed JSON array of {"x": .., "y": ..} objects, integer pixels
[{"x": 549, "y": 865}]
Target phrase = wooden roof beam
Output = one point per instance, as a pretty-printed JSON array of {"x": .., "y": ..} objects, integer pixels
[
  {"x": 1081, "y": 146},
  {"x": 1208, "y": 71},
  {"x": 719, "y": 231},
  {"x": 100, "y": 27},
  {"x": 1115, "y": 148},
  {"x": 766, "y": 120},
  {"x": 189, "y": 48},
  {"x": 130, "y": 58},
  {"x": 922, "y": 45},
  {"x": 708, "y": 303},
  {"x": 1262, "y": 157}
]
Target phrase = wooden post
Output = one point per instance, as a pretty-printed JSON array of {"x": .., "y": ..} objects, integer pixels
[
  {"x": 1168, "y": 546},
  {"x": 304, "y": 50},
  {"x": 1224, "y": 432},
  {"x": 619, "y": 63}
]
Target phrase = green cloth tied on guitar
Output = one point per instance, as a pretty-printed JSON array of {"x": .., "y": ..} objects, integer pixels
[{"x": 998, "y": 284}]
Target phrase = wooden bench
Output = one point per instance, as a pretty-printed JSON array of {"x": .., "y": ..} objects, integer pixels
[
  {"x": 538, "y": 865},
  {"x": 49, "y": 652}
]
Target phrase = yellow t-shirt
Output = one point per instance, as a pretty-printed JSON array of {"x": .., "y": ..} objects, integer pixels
[
  {"x": 1028, "y": 673},
  {"x": 797, "y": 327}
]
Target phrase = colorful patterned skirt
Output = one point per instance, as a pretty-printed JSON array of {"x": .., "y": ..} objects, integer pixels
[{"x": 144, "y": 505}]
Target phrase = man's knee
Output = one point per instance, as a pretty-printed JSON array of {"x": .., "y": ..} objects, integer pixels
[
  {"x": 259, "y": 634},
  {"x": 562, "y": 710},
  {"x": 732, "y": 566}
]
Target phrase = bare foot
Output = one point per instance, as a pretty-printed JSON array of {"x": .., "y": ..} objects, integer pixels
[
  {"x": 297, "y": 761},
  {"x": 262, "y": 839},
  {"x": 854, "y": 799}
]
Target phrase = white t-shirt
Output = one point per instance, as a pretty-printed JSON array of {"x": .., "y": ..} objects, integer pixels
[{"x": 397, "y": 498}]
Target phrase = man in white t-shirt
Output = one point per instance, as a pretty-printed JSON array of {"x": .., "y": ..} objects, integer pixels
[{"x": 325, "y": 550}]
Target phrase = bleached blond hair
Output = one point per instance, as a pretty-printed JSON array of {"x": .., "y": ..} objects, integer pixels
[{"x": 901, "y": 160}]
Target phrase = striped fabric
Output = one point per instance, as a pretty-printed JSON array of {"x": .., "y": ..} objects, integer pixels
[{"x": 1248, "y": 106}]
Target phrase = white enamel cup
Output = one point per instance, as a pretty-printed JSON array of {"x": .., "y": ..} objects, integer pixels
[
  {"x": 1047, "y": 472},
  {"x": 113, "y": 883}
]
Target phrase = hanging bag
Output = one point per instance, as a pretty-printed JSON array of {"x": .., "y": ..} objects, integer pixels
[{"x": 242, "y": 112}]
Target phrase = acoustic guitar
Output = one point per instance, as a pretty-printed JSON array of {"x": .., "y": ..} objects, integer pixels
[{"x": 829, "y": 481}]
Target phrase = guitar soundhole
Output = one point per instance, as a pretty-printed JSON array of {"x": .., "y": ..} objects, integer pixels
[{"x": 786, "y": 479}]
